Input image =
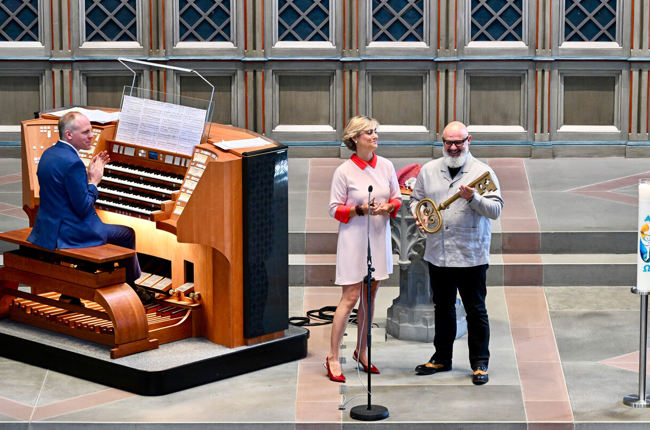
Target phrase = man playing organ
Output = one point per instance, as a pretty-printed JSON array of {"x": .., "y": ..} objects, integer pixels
[
  {"x": 184, "y": 200},
  {"x": 66, "y": 216}
]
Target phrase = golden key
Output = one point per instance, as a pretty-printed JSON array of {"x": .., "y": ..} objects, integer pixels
[{"x": 428, "y": 213}]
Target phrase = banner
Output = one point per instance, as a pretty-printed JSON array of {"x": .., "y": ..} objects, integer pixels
[{"x": 643, "y": 253}]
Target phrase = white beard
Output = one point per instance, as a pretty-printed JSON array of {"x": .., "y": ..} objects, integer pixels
[{"x": 455, "y": 162}]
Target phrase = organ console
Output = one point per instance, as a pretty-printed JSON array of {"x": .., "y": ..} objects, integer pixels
[{"x": 211, "y": 232}]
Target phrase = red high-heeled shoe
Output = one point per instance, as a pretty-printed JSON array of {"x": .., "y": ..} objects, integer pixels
[
  {"x": 373, "y": 369},
  {"x": 333, "y": 378}
]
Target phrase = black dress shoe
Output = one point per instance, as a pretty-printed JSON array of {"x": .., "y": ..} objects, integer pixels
[
  {"x": 145, "y": 296},
  {"x": 71, "y": 300},
  {"x": 480, "y": 376},
  {"x": 429, "y": 368}
]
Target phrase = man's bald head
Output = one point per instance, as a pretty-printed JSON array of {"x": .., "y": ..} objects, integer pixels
[{"x": 455, "y": 127}]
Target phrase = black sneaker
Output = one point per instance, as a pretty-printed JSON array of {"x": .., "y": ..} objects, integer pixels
[{"x": 480, "y": 376}]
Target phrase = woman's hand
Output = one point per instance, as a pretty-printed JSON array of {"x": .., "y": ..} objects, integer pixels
[{"x": 381, "y": 209}]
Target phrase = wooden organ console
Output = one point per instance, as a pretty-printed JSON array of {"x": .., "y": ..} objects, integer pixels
[{"x": 211, "y": 236}]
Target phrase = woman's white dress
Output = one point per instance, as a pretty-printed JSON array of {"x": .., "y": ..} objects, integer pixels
[{"x": 350, "y": 188}]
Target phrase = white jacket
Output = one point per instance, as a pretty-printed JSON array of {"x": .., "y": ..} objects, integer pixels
[{"x": 464, "y": 239}]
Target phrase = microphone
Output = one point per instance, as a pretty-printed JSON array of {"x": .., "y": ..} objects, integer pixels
[
  {"x": 370, "y": 202},
  {"x": 369, "y": 412}
]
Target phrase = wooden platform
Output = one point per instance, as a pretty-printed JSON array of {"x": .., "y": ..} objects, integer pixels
[{"x": 172, "y": 367}]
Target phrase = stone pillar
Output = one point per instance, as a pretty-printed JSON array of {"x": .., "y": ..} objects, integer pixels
[{"x": 411, "y": 317}]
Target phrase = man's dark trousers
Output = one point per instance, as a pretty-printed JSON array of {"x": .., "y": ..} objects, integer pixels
[
  {"x": 122, "y": 235},
  {"x": 470, "y": 283}
]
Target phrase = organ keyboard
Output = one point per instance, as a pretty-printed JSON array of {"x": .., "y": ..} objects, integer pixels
[
  {"x": 133, "y": 170},
  {"x": 218, "y": 267}
]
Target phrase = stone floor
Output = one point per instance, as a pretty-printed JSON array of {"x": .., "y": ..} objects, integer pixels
[{"x": 563, "y": 354}]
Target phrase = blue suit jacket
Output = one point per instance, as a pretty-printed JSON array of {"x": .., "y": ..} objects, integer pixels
[{"x": 66, "y": 216}]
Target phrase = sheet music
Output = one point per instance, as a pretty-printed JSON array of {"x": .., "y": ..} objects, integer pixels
[
  {"x": 160, "y": 125},
  {"x": 193, "y": 120},
  {"x": 243, "y": 143},
  {"x": 127, "y": 130},
  {"x": 94, "y": 115}
]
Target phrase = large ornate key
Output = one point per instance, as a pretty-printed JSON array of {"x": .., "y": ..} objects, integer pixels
[{"x": 428, "y": 213}]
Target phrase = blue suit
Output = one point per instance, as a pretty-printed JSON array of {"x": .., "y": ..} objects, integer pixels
[{"x": 66, "y": 216}]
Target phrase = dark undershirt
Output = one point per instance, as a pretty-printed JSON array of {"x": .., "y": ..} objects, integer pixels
[{"x": 453, "y": 171}]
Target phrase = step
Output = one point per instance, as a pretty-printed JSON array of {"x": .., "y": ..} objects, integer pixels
[
  {"x": 550, "y": 242},
  {"x": 505, "y": 270}
]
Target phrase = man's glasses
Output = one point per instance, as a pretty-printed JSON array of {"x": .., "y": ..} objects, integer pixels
[{"x": 454, "y": 142}]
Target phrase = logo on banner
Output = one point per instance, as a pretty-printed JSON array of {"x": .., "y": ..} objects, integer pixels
[{"x": 644, "y": 241}]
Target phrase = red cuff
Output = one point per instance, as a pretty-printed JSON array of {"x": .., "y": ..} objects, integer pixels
[
  {"x": 343, "y": 213},
  {"x": 396, "y": 204}
]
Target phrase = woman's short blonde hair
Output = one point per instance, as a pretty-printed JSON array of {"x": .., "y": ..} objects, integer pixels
[{"x": 355, "y": 127}]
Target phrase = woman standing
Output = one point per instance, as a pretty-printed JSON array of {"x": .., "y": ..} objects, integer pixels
[{"x": 349, "y": 205}]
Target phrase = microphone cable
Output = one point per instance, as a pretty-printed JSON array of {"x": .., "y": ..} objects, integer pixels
[{"x": 322, "y": 316}]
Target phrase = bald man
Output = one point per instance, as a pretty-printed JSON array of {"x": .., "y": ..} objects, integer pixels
[{"x": 458, "y": 254}]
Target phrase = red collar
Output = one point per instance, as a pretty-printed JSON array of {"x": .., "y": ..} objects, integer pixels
[{"x": 362, "y": 163}]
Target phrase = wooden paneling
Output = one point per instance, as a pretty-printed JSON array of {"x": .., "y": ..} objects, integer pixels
[
  {"x": 398, "y": 99},
  {"x": 106, "y": 91},
  {"x": 495, "y": 100},
  {"x": 242, "y": 73},
  {"x": 589, "y": 100},
  {"x": 304, "y": 99},
  {"x": 21, "y": 97}
]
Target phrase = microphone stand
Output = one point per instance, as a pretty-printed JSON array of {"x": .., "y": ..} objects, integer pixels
[{"x": 370, "y": 412}]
